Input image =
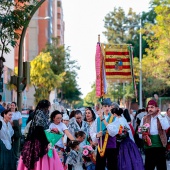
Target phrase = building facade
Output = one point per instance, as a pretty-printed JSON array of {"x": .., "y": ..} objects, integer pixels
[{"x": 46, "y": 23}]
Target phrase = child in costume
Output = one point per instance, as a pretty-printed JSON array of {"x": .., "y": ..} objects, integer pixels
[{"x": 74, "y": 158}]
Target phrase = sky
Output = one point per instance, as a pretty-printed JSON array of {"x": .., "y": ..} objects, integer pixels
[{"x": 83, "y": 23}]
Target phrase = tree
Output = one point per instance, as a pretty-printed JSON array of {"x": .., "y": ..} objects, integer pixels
[
  {"x": 115, "y": 91},
  {"x": 69, "y": 88},
  {"x": 13, "y": 15},
  {"x": 124, "y": 28},
  {"x": 58, "y": 54},
  {"x": 69, "y": 91},
  {"x": 90, "y": 99},
  {"x": 43, "y": 78},
  {"x": 129, "y": 95},
  {"x": 117, "y": 25},
  {"x": 78, "y": 104},
  {"x": 156, "y": 65}
]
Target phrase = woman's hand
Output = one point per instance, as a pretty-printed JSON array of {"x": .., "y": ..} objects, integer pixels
[{"x": 54, "y": 130}]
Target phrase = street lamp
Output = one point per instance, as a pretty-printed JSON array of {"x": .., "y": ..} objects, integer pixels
[{"x": 140, "y": 61}]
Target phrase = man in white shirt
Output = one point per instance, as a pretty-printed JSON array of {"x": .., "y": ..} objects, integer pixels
[
  {"x": 103, "y": 132},
  {"x": 155, "y": 152}
]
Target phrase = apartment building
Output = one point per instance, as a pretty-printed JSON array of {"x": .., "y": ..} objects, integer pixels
[{"x": 46, "y": 23}]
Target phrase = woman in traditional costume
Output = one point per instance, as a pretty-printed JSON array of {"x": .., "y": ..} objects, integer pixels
[
  {"x": 129, "y": 156},
  {"x": 78, "y": 124},
  {"x": 34, "y": 154},
  {"x": 90, "y": 118},
  {"x": 7, "y": 158}
]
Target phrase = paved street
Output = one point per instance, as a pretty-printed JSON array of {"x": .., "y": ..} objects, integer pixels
[{"x": 167, "y": 162}]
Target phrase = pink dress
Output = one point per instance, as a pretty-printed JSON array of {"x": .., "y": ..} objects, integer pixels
[{"x": 44, "y": 163}]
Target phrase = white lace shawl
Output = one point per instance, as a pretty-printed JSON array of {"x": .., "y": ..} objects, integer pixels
[{"x": 6, "y": 133}]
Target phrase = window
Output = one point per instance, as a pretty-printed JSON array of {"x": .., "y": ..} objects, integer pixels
[
  {"x": 58, "y": 3},
  {"x": 58, "y": 26},
  {"x": 58, "y": 15},
  {"x": 58, "y": 37}
]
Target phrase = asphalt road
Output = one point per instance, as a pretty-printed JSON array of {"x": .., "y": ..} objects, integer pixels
[{"x": 167, "y": 162}]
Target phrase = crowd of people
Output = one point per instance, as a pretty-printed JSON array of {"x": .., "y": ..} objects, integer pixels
[{"x": 103, "y": 138}]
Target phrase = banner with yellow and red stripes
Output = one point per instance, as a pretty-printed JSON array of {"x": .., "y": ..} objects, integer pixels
[{"x": 118, "y": 63}]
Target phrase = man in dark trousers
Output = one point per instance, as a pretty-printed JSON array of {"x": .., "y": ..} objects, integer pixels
[
  {"x": 155, "y": 137},
  {"x": 103, "y": 131}
]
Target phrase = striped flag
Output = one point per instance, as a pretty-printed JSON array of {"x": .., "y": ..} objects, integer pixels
[
  {"x": 118, "y": 63},
  {"x": 101, "y": 84}
]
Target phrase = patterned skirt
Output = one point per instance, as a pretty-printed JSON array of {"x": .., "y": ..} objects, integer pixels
[{"x": 7, "y": 158}]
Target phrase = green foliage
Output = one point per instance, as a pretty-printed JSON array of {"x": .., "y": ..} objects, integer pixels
[
  {"x": 78, "y": 104},
  {"x": 119, "y": 27},
  {"x": 124, "y": 28},
  {"x": 115, "y": 92},
  {"x": 61, "y": 62},
  {"x": 42, "y": 77},
  {"x": 156, "y": 65},
  {"x": 58, "y": 53},
  {"x": 13, "y": 16}
]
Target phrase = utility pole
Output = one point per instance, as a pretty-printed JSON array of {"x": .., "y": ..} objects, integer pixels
[{"x": 140, "y": 60}]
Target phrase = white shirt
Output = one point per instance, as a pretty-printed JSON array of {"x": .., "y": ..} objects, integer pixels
[
  {"x": 153, "y": 126},
  {"x": 61, "y": 128},
  {"x": 16, "y": 115},
  {"x": 124, "y": 123},
  {"x": 112, "y": 128}
]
